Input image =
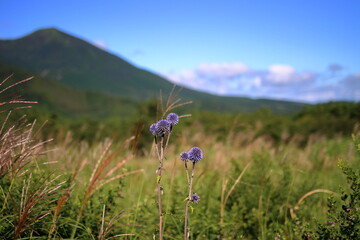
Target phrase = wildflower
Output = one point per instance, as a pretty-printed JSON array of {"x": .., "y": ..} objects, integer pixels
[
  {"x": 173, "y": 118},
  {"x": 153, "y": 129},
  {"x": 195, "y": 198},
  {"x": 195, "y": 154},
  {"x": 163, "y": 127},
  {"x": 184, "y": 156}
]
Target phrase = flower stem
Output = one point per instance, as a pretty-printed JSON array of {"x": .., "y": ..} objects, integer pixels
[
  {"x": 186, "y": 229},
  {"x": 187, "y": 172},
  {"x": 159, "y": 189}
]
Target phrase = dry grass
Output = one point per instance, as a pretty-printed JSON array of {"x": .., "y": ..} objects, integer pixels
[
  {"x": 18, "y": 147},
  {"x": 296, "y": 207},
  {"x": 102, "y": 173},
  {"x": 11, "y": 99},
  {"x": 34, "y": 204},
  {"x": 17, "y": 140}
]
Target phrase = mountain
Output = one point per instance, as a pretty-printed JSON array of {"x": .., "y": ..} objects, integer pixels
[
  {"x": 53, "y": 54},
  {"x": 55, "y": 97}
]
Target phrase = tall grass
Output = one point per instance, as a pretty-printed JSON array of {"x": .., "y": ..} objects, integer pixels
[
  {"x": 264, "y": 190},
  {"x": 19, "y": 152},
  {"x": 32, "y": 195},
  {"x": 250, "y": 186}
]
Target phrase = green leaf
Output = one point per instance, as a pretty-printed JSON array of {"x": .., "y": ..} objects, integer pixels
[{"x": 192, "y": 209}]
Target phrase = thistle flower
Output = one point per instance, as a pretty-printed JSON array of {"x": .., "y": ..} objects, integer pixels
[
  {"x": 163, "y": 127},
  {"x": 153, "y": 129},
  {"x": 195, "y": 198},
  {"x": 195, "y": 154},
  {"x": 184, "y": 156},
  {"x": 173, "y": 118}
]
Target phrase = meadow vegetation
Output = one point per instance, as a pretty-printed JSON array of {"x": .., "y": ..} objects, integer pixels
[{"x": 263, "y": 176}]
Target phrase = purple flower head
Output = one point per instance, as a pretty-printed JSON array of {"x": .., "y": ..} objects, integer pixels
[
  {"x": 153, "y": 129},
  {"x": 195, "y": 154},
  {"x": 195, "y": 198},
  {"x": 184, "y": 156},
  {"x": 163, "y": 127},
  {"x": 173, "y": 118}
]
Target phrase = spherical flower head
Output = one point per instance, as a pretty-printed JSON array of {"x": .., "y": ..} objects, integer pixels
[
  {"x": 184, "y": 156},
  {"x": 195, "y": 154},
  {"x": 163, "y": 127},
  {"x": 153, "y": 129},
  {"x": 195, "y": 198},
  {"x": 173, "y": 118}
]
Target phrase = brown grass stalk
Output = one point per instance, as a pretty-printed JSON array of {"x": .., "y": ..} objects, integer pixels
[
  {"x": 172, "y": 101},
  {"x": 18, "y": 148},
  {"x": 296, "y": 207},
  {"x": 63, "y": 199},
  {"x": 28, "y": 213},
  {"x": 222, "y": 206},
  {"x": 13, "y": 97},
  {"x": 116, "y": 167},
  {"x": 105, "y": 229},
  {"x": 101, "y": 176},
  {"x": 14, "y": 84}
]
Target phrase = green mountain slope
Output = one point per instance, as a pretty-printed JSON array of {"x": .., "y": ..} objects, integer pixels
[
  {"x": 77, "y": 63},
  {"x": 55, "y": 97}
]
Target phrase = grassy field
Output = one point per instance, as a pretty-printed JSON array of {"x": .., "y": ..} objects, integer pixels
[
  {"x": 251, "y": 185},
  {"x": 250, "y": 188}
]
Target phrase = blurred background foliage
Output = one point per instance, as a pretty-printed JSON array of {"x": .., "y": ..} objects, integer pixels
[{"x": 333, "y": 119}]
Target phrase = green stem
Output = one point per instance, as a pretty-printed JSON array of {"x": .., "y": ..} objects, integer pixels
[
  {"x": 8, "y": 194},
  {"x": 83, "y": 203}
]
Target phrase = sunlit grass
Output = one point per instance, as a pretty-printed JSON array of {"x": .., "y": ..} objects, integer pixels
[
  {"x": 251, "y": 186},
  {"x": 275, "y": 173}
]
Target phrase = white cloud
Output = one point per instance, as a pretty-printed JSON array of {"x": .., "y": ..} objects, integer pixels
[
  {"x": 212, "y": 77},
  {"x": 222, "y": 70},
  {"x": 278, "y": 81},
  {"x": 257, "y": 82},
  {"x": 185, "y": 77},
  {"x": 100, "y": 44},
  {"x": 281, "y": 73}
]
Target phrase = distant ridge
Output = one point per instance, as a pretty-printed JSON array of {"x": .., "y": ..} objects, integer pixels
[
  {"x": 62, "y": 100},
  {"x": 76, "y": 63}
]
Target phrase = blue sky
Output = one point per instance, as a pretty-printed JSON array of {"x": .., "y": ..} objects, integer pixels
[{"x": 298, "y": 50}]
